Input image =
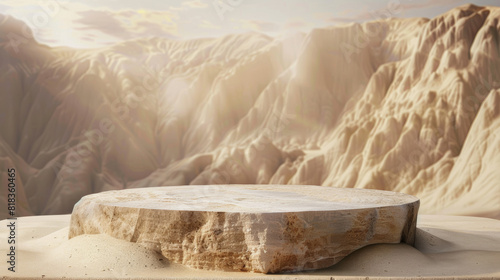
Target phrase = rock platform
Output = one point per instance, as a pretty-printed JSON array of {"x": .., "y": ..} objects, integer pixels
[{"x": 258, "y": 228}]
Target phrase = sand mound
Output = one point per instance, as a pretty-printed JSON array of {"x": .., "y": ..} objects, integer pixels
[{"x": 409, "y": 105}]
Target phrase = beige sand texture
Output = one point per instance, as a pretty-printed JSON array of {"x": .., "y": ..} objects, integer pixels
[
  {"x": 447, "y": 247},
  {"x": 409, "y": 105}
]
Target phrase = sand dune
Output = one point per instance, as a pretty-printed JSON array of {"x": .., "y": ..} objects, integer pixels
[{"x": 409, "y": 105}]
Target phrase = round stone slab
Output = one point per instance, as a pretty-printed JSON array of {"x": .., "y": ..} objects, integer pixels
[{"x": 259, "y": 228}]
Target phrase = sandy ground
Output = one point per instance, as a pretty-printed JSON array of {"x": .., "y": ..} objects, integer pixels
[{"x": 447, "y": 246}]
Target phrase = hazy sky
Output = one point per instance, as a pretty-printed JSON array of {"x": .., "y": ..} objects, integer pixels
[{"x": 93, "y": 23}]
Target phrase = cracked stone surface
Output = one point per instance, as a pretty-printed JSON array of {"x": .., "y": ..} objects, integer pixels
[{"x": 258, "y": 228}]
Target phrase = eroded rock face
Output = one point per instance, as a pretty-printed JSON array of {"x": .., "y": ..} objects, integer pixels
[{"x": 259, "y": 228}]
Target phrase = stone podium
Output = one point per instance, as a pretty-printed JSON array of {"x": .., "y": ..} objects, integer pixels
[{"x": 258, "y": 228}]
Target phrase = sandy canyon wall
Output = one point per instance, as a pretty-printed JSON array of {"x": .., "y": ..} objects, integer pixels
[{"x": 409, "y": 105}]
